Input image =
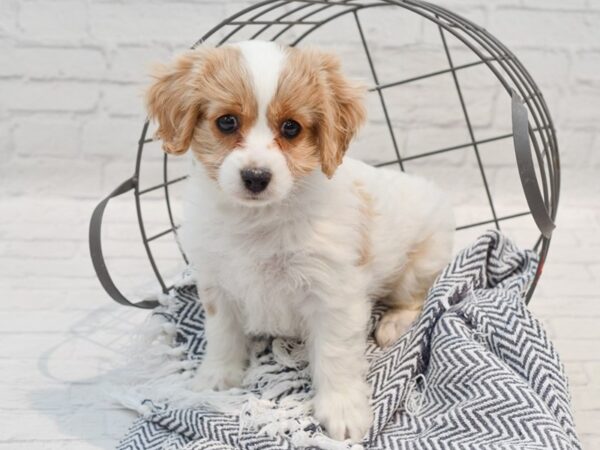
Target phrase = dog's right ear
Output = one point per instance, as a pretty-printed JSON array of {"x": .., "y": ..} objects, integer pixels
[{"x": 173, "y": 100}]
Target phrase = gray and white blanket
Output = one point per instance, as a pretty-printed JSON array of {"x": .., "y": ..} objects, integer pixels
[{"x": 475, "y": 371}]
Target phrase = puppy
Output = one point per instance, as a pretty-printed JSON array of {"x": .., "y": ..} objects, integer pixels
[{"x": 285, "y": 236}]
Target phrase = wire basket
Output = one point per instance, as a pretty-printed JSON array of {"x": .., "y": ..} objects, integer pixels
[{"x": 463, "y": 47}]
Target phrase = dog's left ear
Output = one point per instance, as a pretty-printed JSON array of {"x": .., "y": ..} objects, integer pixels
[{"x": 343, "y": 113}]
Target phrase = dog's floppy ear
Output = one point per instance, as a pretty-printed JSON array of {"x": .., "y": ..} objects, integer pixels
[
  {"x": 174, "y": 100},
  {"x": 343, "y": 113}
]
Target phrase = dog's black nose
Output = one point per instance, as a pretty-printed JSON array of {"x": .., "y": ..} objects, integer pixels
[{"x": 256, "y": 180}]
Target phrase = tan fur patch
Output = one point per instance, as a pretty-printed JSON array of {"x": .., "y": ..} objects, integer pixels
[
  {"x": 344, "y": 114},
  {"x": 367, "y": 215},
  {"x": 313, "y": 92},
  {"x": 298, "y": 97},
  {"x": 210, "y": 308},
  {"x": 189, "y": 96}
]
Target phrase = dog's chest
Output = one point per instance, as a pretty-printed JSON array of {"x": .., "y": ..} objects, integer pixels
[{"x": 268, "y": 280}]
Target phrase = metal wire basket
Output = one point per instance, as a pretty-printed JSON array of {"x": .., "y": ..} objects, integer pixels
[{"x": 292, "y": 22}]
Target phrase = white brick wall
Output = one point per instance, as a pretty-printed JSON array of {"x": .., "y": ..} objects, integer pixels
[{"x": 72, "y": 73}]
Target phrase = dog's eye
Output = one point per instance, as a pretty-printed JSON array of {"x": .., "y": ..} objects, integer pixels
[
  {"x": 290, "y": 129},
  {"x": 227, "y": 124}
]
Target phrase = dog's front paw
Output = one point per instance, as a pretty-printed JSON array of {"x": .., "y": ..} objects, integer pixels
[
  {"x": 217, "y": 376},
  {"x": 345, "y": 415}
]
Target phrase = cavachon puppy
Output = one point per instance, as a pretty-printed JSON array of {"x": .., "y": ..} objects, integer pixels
[{"x": 286, "y": 236}]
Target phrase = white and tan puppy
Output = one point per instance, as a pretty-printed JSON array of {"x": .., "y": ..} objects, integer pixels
[{"x": 286, "y": 237}]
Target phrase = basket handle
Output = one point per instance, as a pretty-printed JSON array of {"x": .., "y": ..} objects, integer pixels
[
  {"x": 95, "y": 240},
  {"x": 531, "y": 188}
]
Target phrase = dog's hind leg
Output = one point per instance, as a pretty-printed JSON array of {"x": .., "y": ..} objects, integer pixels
[{"x": 425, "y": 261}]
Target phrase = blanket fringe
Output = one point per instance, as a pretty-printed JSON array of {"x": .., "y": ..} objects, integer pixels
[{"x": 157, "y": 374}]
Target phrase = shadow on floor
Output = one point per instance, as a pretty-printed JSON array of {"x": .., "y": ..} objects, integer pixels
[{"x": 75, "y": 369}]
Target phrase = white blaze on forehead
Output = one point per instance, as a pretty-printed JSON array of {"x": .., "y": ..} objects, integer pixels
[{"x": 264, "y": 61}]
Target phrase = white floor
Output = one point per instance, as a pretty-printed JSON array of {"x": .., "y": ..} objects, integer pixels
[{"x": 59, "y": 332}]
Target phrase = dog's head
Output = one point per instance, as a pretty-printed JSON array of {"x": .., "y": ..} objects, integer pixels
[{"x": 257, "y": 115}]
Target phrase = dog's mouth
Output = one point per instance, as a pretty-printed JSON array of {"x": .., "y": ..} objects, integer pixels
[{"x": 252, "y": 199}]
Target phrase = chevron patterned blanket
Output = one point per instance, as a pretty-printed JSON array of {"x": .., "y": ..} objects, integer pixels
[{"x": 476, "y": 371}]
